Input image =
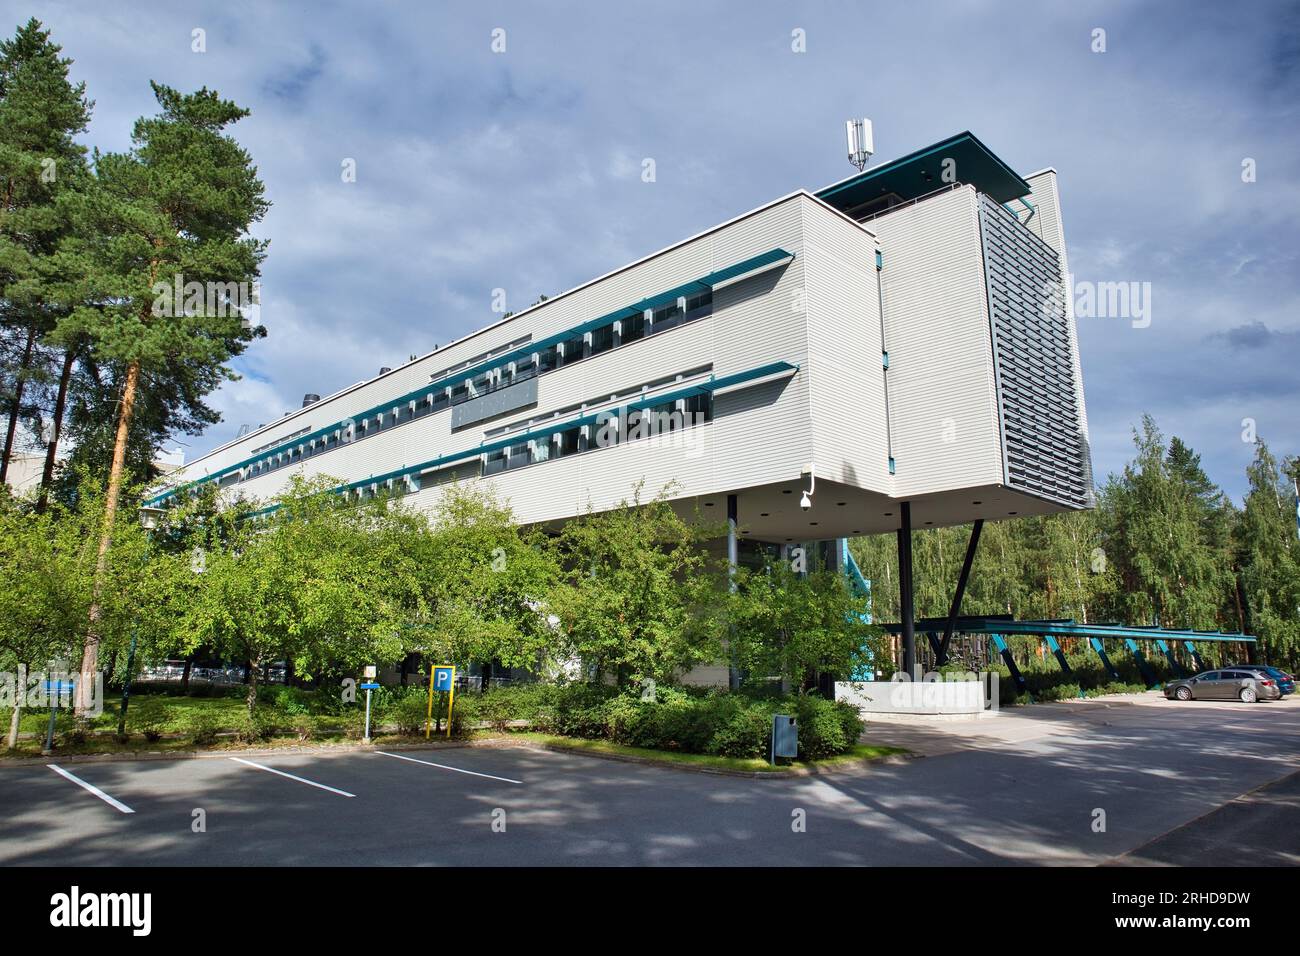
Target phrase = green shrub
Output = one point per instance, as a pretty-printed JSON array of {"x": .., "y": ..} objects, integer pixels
[
  {"x": 354, "y": 722},
  {"x": 70, "y": 731},
  {"x": 821, "y": 730},
  {"x": 202, "y": 727},
  {"x": 496, "y": 707},
  {"x": 1059, "y": 692},
  {"x": 147, "y": 715},
  {"x": 673, "y": 720},
  {"x": 1115, "y": 687},
  {"x": 579, "y": 710},
  {"x": 256, "y": 727},
  {"x": 851, "y": 724},
  {"x": 741, "y": 731},
  {"x": 304, "y": 727},
  {"x": 288, "y": 701},
  {"x": 408, "y": 712}
]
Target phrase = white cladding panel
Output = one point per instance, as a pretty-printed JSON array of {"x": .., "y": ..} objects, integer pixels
[
  {"x": 943, "y": 412},
  {"x": 820, "y": 312},
  {"x": 759, "y": 434},
  {"x": 845, "y": 368}
]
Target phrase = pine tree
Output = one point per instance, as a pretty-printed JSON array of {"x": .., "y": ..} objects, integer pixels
[
  {"x": 175, "y": 209},
  {"x": 40, "y": 113}
]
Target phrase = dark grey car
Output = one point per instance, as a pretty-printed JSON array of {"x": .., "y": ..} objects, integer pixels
[{"x": 1226, "y": 684}]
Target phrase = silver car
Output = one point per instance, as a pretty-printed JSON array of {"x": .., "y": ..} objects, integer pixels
[{"x": 1226, "y": 684}]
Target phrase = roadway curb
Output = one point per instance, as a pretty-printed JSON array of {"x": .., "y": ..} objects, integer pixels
[
  {"x": 786, "y": 773},
  {"x": 488, "y": 743}
]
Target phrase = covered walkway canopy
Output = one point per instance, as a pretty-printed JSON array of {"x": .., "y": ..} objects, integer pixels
[{"x": 999, "y": 626}]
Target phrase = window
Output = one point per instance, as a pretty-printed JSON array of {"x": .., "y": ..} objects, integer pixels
[
  {"x": 495, "y": 462},
  {"x": 633, "y": 328},
  {"x": 573, "y": 351},
  {"x": 570, "y": 442},
  {"x": 602, "y": 339},
  {"x": 698, "y": 306},
  {"x": 667, "y": 317},
  {"x": 699, "y": 409},
  {"x": 520, "y": 455},
  {"x": 547, "y": 359}
]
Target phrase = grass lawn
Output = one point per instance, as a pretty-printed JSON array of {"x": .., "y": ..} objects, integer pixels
[
  {"x": 860, "y": 752},
  {"x": 179, "y": 710},
  {"x": 226, "y": 712}
]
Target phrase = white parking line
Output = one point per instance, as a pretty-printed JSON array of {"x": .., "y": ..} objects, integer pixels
[
  {"x": 281, "y": 773},
  {"x": 115, "y": 804},
  {"x": 443, "y": 766}
]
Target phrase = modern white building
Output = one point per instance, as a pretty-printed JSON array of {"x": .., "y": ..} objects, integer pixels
[{"x": 899, "y": 343}]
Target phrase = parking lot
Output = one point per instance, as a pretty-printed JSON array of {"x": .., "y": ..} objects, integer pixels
[{"x": 1022, "y": 788}]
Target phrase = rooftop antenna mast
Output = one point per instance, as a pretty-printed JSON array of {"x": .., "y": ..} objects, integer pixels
[{"x": 861, "y": 142}]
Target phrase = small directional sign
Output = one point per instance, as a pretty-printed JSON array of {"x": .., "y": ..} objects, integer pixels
[
  {"x": 443, "y": 677},
  {"x": 369, "y": 686}
]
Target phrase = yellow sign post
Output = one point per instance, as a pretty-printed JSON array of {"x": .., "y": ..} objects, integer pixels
[{"x": 428, "y": 714}]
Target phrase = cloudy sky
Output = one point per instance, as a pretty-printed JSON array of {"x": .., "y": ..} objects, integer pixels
[{"x": 521, "y": 169}]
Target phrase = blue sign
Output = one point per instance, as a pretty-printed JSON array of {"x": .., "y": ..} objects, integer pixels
[
  {"x": 59, "y": 686},
  {"x": 369, "y": 686},
  {"x": 442, "y": 677}
]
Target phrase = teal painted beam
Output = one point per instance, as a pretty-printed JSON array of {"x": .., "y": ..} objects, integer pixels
[{"x": 761, "y": 261}]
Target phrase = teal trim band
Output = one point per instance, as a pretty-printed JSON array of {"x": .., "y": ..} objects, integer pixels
[
  {"x": 762, "y": 261},
  {"x": 710, "y": 385}
]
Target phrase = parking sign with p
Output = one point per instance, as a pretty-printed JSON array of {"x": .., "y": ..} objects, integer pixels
[{"x": 441, "y": 678}]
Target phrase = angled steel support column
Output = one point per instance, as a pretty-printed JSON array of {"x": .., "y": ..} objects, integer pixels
[
  {"x": 1010, "y": 662},
  {"x": 941, "y": 653},
  {"x": 935, "y": 645},
  {"x": 733, "y": 560},
  {"x": 1105, "y": 659},
  {"x": 1196, "y": 656},
  {"x": 906, "y": 598},
  {"x": 1147, "y": 674},
  {"x": 1059, "y": 654},
  {"x": 1173, "y": 661}
]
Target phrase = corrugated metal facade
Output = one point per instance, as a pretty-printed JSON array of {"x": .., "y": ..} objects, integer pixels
[
  {"x": 950, "y": 286},
  {"x": 1033, "y": 361}
]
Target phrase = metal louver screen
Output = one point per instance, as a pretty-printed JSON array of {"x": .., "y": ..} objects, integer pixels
[{"x": 1045, "y": 454}]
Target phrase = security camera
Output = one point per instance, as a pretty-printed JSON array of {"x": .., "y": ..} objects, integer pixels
[{"x": 806, "y": 501}]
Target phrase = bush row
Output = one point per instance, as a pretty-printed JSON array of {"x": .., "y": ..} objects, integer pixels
[
  {"x": 689, "y": 720},
  {"x": 685, "y": 720},
  {"x": 720, "y": 723}
]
